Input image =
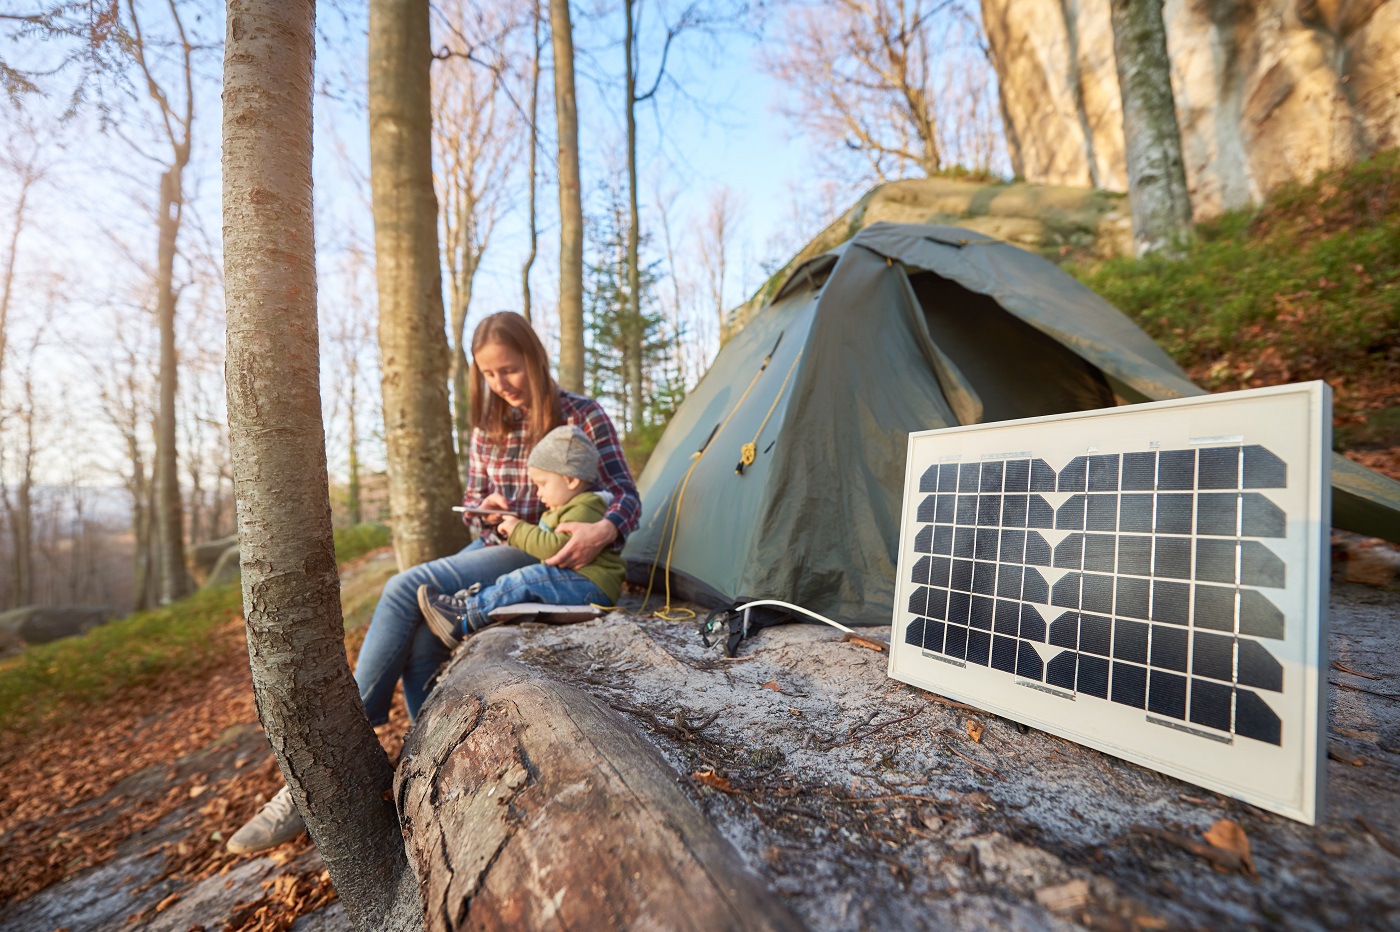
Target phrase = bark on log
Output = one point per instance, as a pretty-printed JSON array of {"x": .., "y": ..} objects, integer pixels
[{"x": 526, "y": 803}]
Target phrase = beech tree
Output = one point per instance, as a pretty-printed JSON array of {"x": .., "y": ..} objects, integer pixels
[
  {"x": 475, "y": 143},
  {"x": 126, "y": 395},
  {"x": 533, "y": 172},
  {"x": 888, "y": 81},
  {"x": 307, "y": 700},
  {"x": 570, "y": 201},
  {"x": 1157, "y": 193},
  {"x": 176, "y": 113},
  {"x": 423, "y": 480},
  {"x": 697, "y": 15}
]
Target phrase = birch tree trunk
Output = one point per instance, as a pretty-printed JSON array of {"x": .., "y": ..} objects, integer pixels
[
  {"x": 534, "y": 129},
  {"x": 306, "y": 698},
  {"x": 423, "y": 480},
  {"x": 177, "y": 119},
  {"x": 174, "y": 578},
  {"x": 632, "y": 317},
  {"x": 1157, "y": 194},
  {"x": 570, "y": 202}
]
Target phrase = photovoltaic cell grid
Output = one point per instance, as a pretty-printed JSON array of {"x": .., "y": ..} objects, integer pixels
[
  {"x": 1154, "y": 594},
  {"x": 1148, "y": 580}
]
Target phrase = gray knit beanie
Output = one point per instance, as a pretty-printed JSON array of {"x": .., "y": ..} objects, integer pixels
[{"x": 567, "y": 451}]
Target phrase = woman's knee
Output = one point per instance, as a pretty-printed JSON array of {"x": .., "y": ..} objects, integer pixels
[{"x": 401, "y": 586}]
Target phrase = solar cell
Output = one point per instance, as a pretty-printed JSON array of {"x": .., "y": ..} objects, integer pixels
[{"x": 1158, "y": 566}]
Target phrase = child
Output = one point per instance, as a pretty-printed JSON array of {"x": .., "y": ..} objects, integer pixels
[{"x": 563, "y": 466}]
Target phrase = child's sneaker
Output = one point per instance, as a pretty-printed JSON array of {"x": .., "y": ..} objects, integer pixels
[{"x": 446, "y": 615}]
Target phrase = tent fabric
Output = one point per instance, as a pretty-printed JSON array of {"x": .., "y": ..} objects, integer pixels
[{"x": 900, "y": 329}]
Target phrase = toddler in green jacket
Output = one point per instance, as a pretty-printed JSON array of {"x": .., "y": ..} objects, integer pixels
[{"x": 563, "y": 467}]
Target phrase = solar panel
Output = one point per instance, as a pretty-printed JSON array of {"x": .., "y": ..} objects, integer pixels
[{"x": 1146, "y": 580}]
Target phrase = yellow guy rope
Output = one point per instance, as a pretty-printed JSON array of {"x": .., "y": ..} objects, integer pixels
[
  {"x": 749, "y": 451},
  {"x": 665, "y": 612}
]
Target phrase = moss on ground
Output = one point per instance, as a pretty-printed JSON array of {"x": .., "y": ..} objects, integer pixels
[
  {"x": 1306, "y": 286},
  {"x": 59, "y": 679}
]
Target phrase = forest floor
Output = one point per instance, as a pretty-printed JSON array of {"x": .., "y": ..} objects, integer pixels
[{"x": 865, "y": 803}]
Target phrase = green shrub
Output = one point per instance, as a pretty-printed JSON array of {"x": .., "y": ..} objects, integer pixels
[
  {"x": 352, "y": 542},
  {"x": 1306, "y": 286}
]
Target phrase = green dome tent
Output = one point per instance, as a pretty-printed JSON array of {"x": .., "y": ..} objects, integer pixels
[{"x": 901, "y": 328}]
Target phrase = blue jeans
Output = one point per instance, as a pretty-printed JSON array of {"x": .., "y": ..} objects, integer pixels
[
  {"x": 399, "y": 644},
  {"x": 534, "y": 583}
]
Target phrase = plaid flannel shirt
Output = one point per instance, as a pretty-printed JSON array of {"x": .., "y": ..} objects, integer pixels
[{"x": 501, "y": 468}]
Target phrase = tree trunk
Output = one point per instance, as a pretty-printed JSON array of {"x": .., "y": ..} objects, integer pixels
[
  {"x": 530, "y": 804},
  {"x": 466, "y": 264},
  {"x": 22, "y": 521},
  {"x": 174, "y": 579},
  {"x": 1157, "y": 194},
  {"x": 353, "y": 506},
  {"x": 142, "y": 526},
  {"x": 423, "y": 480},
  {"x": 534, "y": 146},
  {"x": 7, "y": 282},
  {"x": 307, "y": 700},
  {"x": 570, "y": 202},
  {"x": 632, "y": 317}
]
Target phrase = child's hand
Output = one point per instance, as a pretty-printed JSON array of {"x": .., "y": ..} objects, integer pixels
[{"x": 507, "y": 525}]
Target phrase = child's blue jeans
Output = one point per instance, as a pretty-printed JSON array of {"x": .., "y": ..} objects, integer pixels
[{"x": 534, "y": 583}]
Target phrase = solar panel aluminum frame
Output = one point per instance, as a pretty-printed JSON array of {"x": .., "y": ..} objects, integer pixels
[{"x": 1293, "y": 422}]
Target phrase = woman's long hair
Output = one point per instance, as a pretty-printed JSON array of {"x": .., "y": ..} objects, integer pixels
[{"x": 490, "y": 413}]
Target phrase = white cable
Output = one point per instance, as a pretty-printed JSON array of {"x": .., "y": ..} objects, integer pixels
[{"x": 795, "y": 608}]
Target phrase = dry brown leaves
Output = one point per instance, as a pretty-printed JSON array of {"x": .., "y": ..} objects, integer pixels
[
  {"x": 59, "y": 816},
  {"x": 1227, "y": 835},
  {"x": 714, "y": 781},
  {"x": 52, "y": 806},
  {"x": 1385, "y": 461},
  {"x": 286, "y": 897}
]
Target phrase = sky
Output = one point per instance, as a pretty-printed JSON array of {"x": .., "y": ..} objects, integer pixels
[{"x": 89, "y": 244}]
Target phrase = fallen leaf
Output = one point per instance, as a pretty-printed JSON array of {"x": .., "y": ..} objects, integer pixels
[
  {"x": 859, "y": 641},
  {"x": 197, "y": 791},
  {"x": 1064, "y": 897},
  {"x": 1227, "y": 835},
  {"x": 714, "y": 781},
  {"x": 773, "y": 685},
  {"x": 975, "y": 729}
]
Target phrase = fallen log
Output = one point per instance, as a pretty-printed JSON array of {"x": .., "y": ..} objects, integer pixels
[{"x": 526, "y": 803}]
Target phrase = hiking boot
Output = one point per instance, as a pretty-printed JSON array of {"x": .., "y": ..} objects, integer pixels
[
  {"x": 276, "y": 823},
  {"x": 446, "y": 615}
]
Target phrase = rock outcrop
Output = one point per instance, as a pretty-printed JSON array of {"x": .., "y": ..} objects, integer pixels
[
  {"x": 1053, "y": 221},
  {"x": 40, "y": 624},
  {"x": 1267, "y": 92}
]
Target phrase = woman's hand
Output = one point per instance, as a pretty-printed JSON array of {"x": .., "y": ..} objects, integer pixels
[
  {"x": 586, "y": 540},
  {"x": 494, "y": 500}
]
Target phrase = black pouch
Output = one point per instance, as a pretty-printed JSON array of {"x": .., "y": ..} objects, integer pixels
[{"x": 734, "y": 623}]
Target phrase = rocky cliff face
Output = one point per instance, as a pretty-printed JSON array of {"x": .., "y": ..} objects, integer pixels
[{"x": 1266, "y": 92}]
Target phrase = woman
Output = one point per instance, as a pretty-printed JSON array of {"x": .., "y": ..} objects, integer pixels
[{"x": 514, "y": 403}]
